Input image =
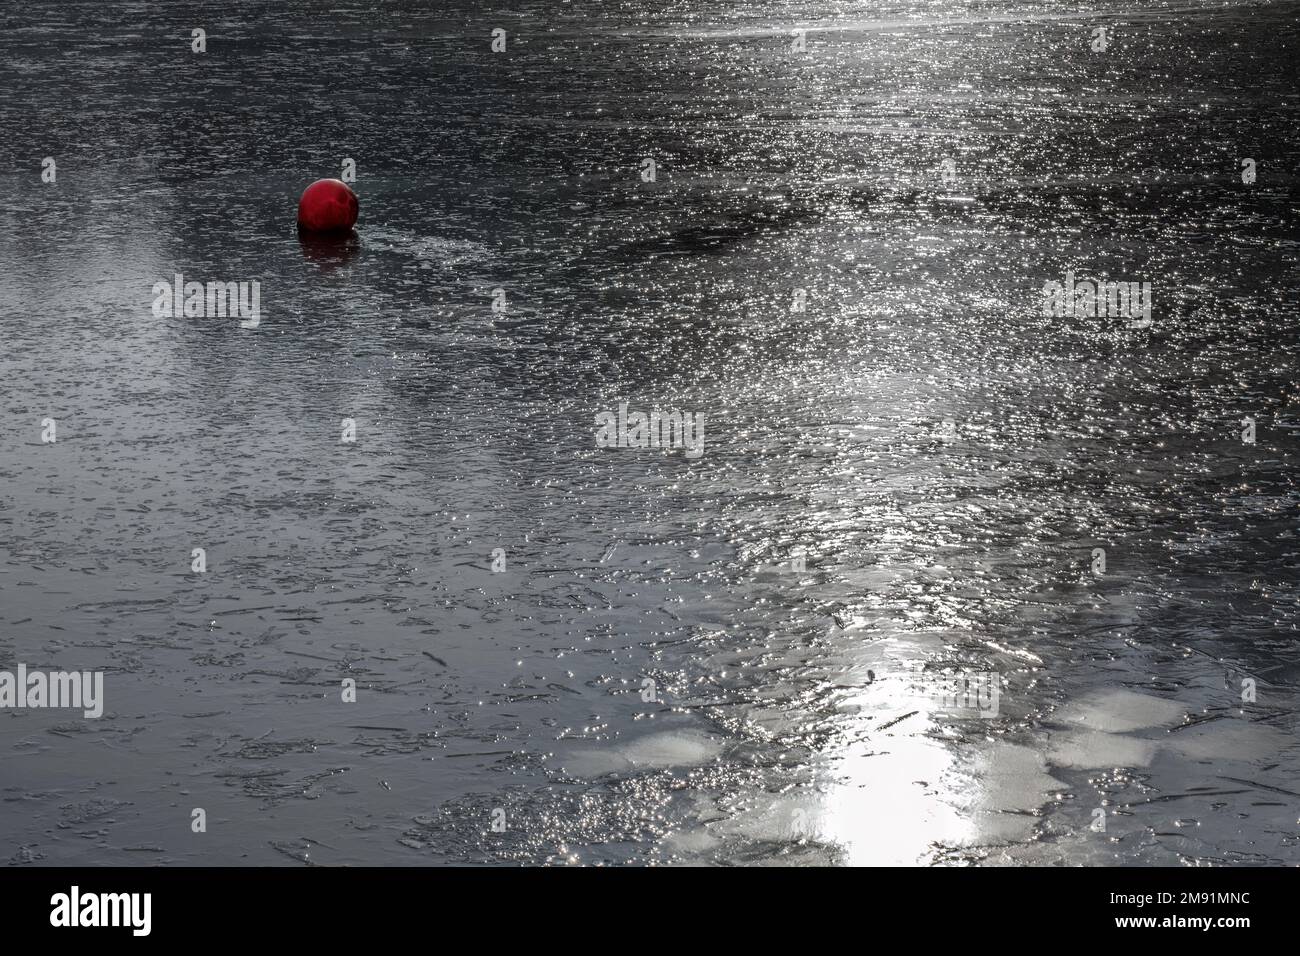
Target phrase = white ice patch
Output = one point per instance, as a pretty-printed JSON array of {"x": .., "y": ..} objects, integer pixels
[
  {"x": 1120, "y": 711},
  {"x": 1095, "y": 751},
  {"x": 1104, "y": 722},
  {"x": 1005, "y": 784},
  {"x": 674, "y": 748}
]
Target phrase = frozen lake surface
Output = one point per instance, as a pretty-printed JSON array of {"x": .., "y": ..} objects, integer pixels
[{"x": 720, "y": 659}]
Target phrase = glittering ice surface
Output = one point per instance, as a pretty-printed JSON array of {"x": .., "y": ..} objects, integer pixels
[{"x": 651, "y": 679}]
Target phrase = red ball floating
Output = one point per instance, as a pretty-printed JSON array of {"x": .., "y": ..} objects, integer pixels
[{"x": 327, "y": 205}]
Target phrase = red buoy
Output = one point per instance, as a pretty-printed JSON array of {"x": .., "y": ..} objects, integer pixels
[{"x": 327, "y": 205}]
